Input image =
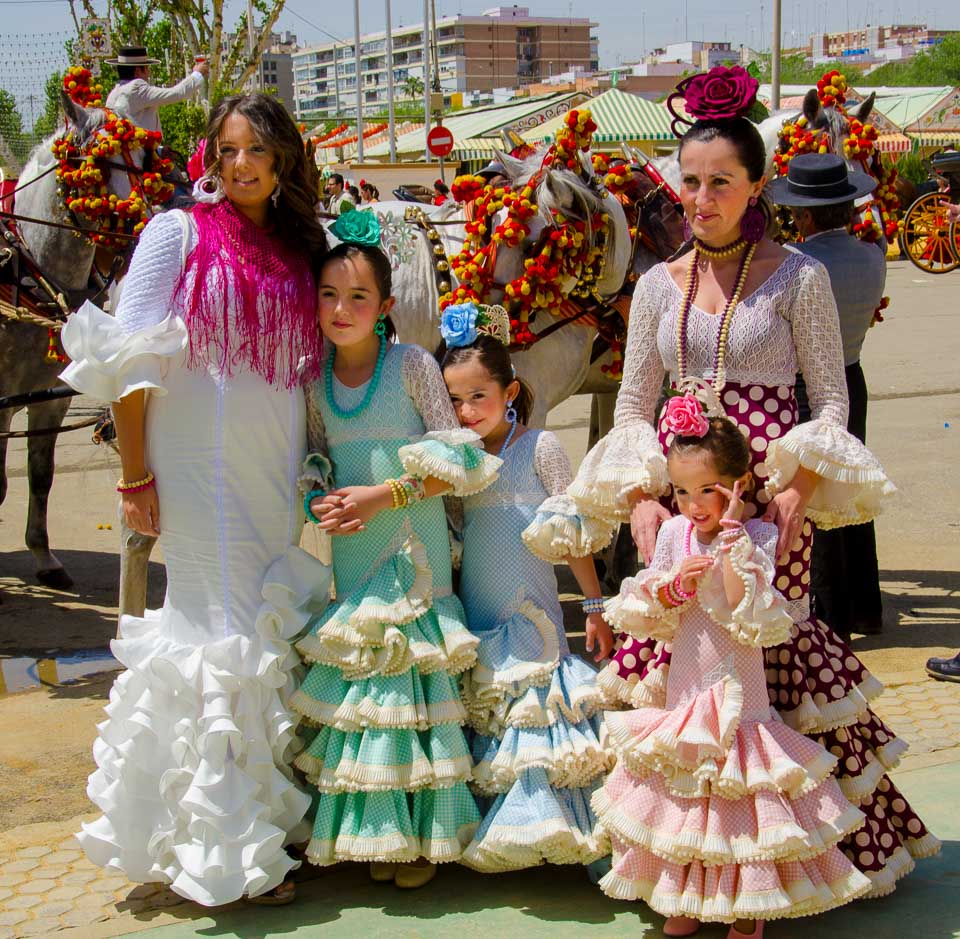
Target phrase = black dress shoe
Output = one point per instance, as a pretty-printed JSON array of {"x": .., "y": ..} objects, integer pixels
[{"x": 945, "y": 669}]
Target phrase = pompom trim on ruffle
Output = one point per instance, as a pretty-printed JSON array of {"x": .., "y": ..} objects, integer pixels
[
  {"x": 352, "y": 776},
  {"x": 649, "y": 691},
  {"x": 850, "y": 887},
  {"x": 781, "y": 842},
  {"x": 433, "y": 455},
  {"x": 810, "y": 718},
  {"x": 393, "y": 848},
  {"x": 515, "y": 847},
  {"x": 352, "y": 718},
  {"x": 559, "y": 532}
]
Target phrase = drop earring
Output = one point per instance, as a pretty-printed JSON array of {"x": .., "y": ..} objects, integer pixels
[
  {"x": 380, "y": 329},
  {"x": 511, "y": 413},
  {"x": 687, "y": 230},
  {"x": 753, "y": 224},
  {"x": 275, "y": 195}
]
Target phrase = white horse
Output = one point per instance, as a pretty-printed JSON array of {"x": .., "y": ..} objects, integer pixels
[
  {"x": 66, "y": 262},
  {"x": 556, "y": 366}
]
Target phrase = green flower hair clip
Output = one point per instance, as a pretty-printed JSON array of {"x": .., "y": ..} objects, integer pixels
[{"x": 357, "y": 228}]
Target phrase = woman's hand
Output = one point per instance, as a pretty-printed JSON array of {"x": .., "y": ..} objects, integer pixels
[
  {"x": 692, "y": 570},
  {"x": 141, "y": 511},
  {"x": 788, "y": 508},
  {"x": 734, "y": 510},
  {"x": 646, "y": 517},
  {"x": 347, "y": 510},
  {"x": 953, "y": 211},
  {"x": 598, "y": 630}
]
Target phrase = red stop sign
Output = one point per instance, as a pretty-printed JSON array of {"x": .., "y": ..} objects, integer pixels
[{"x": 440, "y": 141}]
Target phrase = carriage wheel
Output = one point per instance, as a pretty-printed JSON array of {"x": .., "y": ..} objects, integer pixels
[{"x": 928, "y": 239}]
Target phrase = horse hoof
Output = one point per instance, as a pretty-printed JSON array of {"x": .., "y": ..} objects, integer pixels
[{"x": 56, "y": 578}]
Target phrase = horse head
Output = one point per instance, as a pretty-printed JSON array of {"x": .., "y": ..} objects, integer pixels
[{"x": 579, "y": 198}]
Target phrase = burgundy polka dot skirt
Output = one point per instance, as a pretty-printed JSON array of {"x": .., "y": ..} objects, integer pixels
[{"x": 815, "y": 682}]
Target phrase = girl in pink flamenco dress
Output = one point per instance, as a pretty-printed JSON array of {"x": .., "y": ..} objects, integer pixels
[{"x": 718, "y": 811}]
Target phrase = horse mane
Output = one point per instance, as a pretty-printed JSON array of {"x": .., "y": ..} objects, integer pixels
[{"x": 41, "y": 156}]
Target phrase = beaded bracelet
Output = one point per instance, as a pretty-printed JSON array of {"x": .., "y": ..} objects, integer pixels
[
  {"x": 307, "y": 499},
  {"x": 139, "y": 486},
  {"x": 592, "y": 605},
  {"x": 730, "y": 523},
  {"x": 398, "y": 493},
  {"x": 678, "y": 589}
]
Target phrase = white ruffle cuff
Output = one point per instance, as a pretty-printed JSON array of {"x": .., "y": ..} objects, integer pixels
[
  {"x": 627, "y": 459},
  {"x": 108, "y": 363},
  {"x": 559, "y": 531},
  {"x": 853, "y": 485},
  {"x": 455, "y": 456},
  {"x": 637, "y": 609}
]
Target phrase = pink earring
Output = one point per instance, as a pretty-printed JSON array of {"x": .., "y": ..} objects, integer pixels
[
  {"x": 753, "y": 224},
  {"x": 687, "y": 230}
]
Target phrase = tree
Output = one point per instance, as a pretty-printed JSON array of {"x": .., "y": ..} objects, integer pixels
[
  {"x": 48, "y": 120},
  {"x": 14, "y": 147},
  {"x": 939, "y": 66}
]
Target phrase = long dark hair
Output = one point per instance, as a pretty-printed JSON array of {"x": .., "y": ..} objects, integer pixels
[
  {"x": 379, "y": 265},
  {"x": 495, "y": 358},
  {"x": 295, "y": 215}
]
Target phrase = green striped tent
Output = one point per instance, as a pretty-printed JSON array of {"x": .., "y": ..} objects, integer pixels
[{"x": 620, "y": 118}]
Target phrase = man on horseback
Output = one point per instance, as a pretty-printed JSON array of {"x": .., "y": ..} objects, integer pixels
[{"x": 136, "y": 99}]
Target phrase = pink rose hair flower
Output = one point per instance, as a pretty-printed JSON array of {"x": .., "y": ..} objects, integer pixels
[
  {"x": 718, "y": 95},
  {"x": 684, "y": 416}
]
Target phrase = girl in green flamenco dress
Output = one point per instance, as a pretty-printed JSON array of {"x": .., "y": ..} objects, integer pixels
[{"x": 389, "y": 759}]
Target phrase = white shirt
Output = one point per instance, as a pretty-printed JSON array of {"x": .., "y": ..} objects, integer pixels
[
  {"x": 337, "y": 202},
  {"x": 138, "y": 101}
]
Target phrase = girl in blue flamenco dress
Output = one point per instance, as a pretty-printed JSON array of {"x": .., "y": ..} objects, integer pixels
[
  {"x": 389, "y": 760},
  {"x": 533, "y": 707}
]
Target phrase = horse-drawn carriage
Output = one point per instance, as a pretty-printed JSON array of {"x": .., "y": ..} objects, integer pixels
[{"x": 928, "y": 238}]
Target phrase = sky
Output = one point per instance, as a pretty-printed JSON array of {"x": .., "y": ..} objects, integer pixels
[{"x": 32, "y": 31}]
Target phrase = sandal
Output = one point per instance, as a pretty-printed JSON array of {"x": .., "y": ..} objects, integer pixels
[{"x": 281, "y": 895}]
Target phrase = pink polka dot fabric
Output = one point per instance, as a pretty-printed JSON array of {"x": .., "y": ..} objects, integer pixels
[{"x": 814, "y": 681}]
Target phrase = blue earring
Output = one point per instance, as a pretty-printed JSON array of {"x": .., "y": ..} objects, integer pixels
[
  {"x": 380, "y": 328},
  {"x": 511, "y": 413}
]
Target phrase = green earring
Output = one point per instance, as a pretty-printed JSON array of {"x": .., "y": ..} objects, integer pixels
[{"x": 381, "y": 327}]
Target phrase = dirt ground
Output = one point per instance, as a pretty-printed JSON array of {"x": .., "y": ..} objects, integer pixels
[{"x": 46, "y": 733}]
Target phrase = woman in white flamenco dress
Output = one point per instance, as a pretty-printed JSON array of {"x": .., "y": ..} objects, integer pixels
[{"x": 213, "y": 339}]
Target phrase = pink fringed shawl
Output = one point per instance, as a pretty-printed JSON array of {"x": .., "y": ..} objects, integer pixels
[{"x": 249, "y": 300}]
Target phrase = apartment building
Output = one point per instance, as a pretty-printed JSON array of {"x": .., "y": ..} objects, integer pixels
[
  {"x": 276, "y": 67},
  {"x": 505, "y": 47},
  {"x": 871, "y": 44}
]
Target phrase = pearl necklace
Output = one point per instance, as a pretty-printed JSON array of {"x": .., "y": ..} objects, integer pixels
[
  {"x": 689, "y": 292},
  {"x": 346, "y": 413}
]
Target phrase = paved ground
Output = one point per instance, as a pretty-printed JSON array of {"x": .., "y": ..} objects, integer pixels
[{"x": 45, "y": 734}]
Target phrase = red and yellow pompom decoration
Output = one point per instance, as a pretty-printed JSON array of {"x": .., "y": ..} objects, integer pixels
[
  {"x": 832, "y": 89},
  {"x": 79, "y": 85},
  {"x": 84, "y": 179},
  {"x": 574, "y": 136},
  {"x": 878, "y": 312},
  {"x": 615, "y": 178},
  {"x": 796, "y": 138},
  {"x": 860, "y": 144},
  {"x": 466, "y": 188}
]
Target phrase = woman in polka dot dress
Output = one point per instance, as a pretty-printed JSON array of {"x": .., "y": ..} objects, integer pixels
[
  {"x": 747, "y": 318},
  {"x": 718, "y": 812}
]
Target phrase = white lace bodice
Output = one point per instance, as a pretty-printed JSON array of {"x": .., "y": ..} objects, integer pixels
[{"x": 789, "y": 324}]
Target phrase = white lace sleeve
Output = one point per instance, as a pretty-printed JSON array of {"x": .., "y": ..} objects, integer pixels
[
  {"x": 816, "y": 335},
  {"x": 157, "y": 264},
  {"x": 424, "y": 383},
  {"x": 317, "y": 470},
  {"x": 559, "y": 530},
  {"x": 629, "y": 457},
  {"x": 853, "y": 485},
  {"x": 551, "y": 464},
  {"x": 114, "y": 356},
  {"x": 446, "y": 451}
]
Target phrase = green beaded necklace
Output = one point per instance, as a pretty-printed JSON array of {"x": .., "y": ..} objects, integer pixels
[{"x": 371, "y": 386}]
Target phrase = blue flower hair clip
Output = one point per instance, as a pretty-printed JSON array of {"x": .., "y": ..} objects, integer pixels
[
  {"x": 462, "y": 323},
  {"x": 357, "y": 228}
]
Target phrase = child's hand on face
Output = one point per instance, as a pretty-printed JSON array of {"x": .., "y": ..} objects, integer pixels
[
  {"x": 692, "y": 569},
  {"x": 734, "y": 510},
  {"x": 598, "y": 630}
]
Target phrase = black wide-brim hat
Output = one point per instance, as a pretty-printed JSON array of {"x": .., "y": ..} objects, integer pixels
[
  {"x": 819, "y": 179},
  {"x": 133, "y": 55}
]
